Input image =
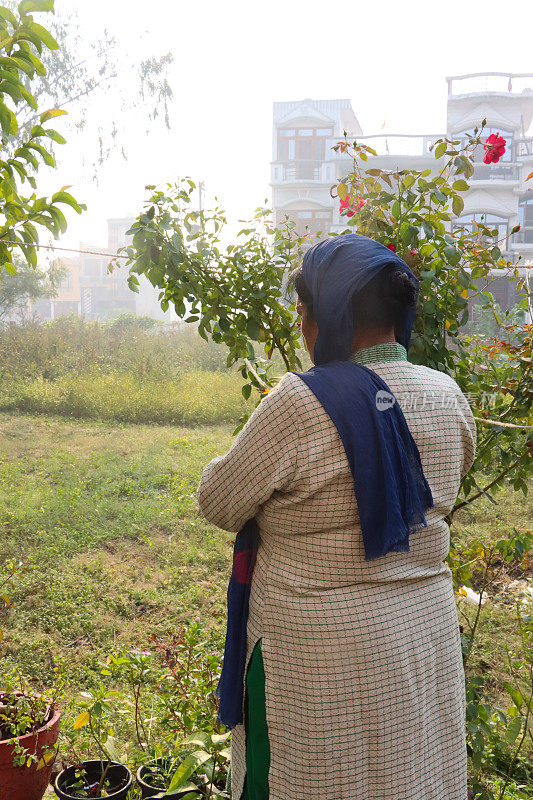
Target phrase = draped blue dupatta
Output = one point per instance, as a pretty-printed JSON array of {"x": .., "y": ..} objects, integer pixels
[{"x": 391, "y": 490}]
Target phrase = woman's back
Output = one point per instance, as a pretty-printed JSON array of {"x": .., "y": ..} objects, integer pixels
[{"x": 320, "y": 498}]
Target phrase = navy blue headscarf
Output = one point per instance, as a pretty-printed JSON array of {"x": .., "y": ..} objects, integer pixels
[
  {"x": 390, "y": 487},
  {"x": 334, "y": 270}
]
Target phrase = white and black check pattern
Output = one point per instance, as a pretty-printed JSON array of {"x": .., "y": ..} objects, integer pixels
[{"x": 364, "y": 676}]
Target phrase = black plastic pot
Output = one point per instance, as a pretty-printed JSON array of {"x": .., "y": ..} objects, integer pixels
[
  {"x": 119, "y": 776},
  {"x": 148, "y": 791}
]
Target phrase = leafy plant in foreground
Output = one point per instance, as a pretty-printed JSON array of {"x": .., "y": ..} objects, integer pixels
[{"x": 22, "y": 41}]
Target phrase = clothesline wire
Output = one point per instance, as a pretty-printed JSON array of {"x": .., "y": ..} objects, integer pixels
[{"x": 70, "y": 249}]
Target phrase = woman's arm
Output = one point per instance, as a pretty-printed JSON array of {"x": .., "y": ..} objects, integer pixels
[{"x": 262, "y": 460}]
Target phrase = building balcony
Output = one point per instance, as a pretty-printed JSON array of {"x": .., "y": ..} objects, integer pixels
[
  {"x": 302, "y": 171},
  {"x": 500, "y": 171}
]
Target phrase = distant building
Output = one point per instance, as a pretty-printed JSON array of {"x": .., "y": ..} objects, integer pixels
[
  {"x": 89, "y": 289},
  {"x": 105, "y": 294},
  {"x": 304, "y": 166},
  {"x": 68, "y": 298}
]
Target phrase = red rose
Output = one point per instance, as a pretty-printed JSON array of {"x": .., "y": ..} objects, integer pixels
[
  {"x": 494, "y": 148},
  {"x": 392, "y": 247}
]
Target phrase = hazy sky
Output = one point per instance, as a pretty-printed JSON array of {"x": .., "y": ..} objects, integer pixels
[{"x": 233, "y": 59}]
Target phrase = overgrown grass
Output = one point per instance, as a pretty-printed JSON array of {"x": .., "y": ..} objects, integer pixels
[
  {"x": 125, "y": 371},
  {"x": 195, "y": 398},
  {"x": 72, "y": 346}
]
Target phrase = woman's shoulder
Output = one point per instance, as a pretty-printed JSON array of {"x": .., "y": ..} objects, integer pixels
[
  {"x": 434, "y": 376},
  {"x": 289, "y": 389},
  {"x": 292, "y": 396},
  {"x": 444, "y": 384}
]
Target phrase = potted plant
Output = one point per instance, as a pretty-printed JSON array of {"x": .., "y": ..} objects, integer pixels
[
  {"x": 195, "y": 775},
  {"x": 155, "y": 777},
  {"x": 29, "y": 729},
  {"x": 94, "y": 778},
  {"x": 105, "y": 776}
]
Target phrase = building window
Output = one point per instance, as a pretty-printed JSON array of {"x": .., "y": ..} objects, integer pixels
[
  {"x": 66, "y": 283},
  {"x": 91, "y": 269},
  {"x": 307, "y": 223},
  {"x": 290, "y": 149},
  {"x": 525, "y": 218},
  {"x": 492, "y": 221},
  {"x": 302, "y": 144}
]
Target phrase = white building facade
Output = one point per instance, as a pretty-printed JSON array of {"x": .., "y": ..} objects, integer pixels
[{"x": 304, "y": 166}]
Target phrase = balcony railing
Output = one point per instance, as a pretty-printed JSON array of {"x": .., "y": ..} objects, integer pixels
[
  {"x": 491, "y": 82},
  {"x": 496, "y": 172},
  {"x": 301, "y": 170},
  {"x": 392, "y": 144},
  {"x": 304, "y": 170}
]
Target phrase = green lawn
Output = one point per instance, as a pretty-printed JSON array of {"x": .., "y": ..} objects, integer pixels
[{"x": 107, "y": 517}]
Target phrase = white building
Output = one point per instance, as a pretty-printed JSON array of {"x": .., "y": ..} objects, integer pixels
[{"x": 304, "y": 166}]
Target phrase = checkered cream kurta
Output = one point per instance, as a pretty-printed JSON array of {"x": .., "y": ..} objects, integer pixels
[{"x": 365, "y": 696}]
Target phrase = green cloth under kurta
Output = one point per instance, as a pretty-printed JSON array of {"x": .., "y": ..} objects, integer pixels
[{"x": 257, "y": 745}]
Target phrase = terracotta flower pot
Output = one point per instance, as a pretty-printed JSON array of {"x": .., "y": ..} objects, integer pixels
[{"x": 28, "y": 783}]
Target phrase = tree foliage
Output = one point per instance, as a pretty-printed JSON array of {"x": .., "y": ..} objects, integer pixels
[
  {"x": 236, "y": 295},
  {"x": 27, "y": 284},
  {"x": 83, "y": 68},
  {"x": 22, "y": 211}
]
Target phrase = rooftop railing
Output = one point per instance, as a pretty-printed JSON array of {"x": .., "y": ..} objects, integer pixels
[{"x": 488, "y": 82}]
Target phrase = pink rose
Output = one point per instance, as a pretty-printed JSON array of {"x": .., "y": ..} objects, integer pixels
[{"x": 350, "y": 205}]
